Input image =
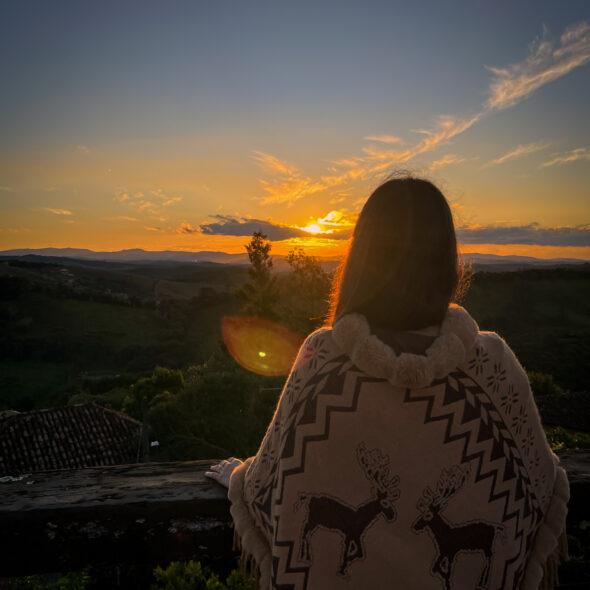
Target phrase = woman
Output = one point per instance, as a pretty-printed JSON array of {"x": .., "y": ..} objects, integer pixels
[{"x": 406, "y": 450}]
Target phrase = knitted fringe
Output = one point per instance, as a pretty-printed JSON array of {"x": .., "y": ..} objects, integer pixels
[
  {"x": 550, "y": 571},
  {"x": 255, "y": 560},
  {"x": 551, "y": 541}
]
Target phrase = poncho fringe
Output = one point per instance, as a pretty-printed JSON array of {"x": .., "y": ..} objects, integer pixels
[
  {"x": 551, "y": 540},
  {"x": 255, "y": 557}
]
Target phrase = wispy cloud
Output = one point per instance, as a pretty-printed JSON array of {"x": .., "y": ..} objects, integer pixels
[
  {"x": 571, "y": 156},
  {"x": 155, "y": 203},
  {"x": 186, "y": 228},
  {"x": 83, "y": 149},
  {"x": 546, "y": 62},
  {"x": 273, "y": 164},
  {"x": 6, "y": 189},
  {"x": 385, "y": 138},
  {"x": 530, "y": 234},
  {"x": 121, "y": 218},
  {"x": 171, "y": 201},
  {"x": 156, "y": 229},
  {"x": 167, "y": 200},
  {"x": 288, "y": 185},
  {"x": 519, "y": 151},
  {"x": 446, "y": 161},
  {"x": 58, "y": 211}
]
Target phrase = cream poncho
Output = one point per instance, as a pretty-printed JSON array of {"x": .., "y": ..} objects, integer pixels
[{"x": 405, "y": 471}]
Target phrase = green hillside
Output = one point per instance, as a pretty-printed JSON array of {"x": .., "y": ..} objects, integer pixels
[{"x": 67, "y": 327}]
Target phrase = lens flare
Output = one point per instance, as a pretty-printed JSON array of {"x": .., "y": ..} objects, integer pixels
[{"x": 259, "y": 345}]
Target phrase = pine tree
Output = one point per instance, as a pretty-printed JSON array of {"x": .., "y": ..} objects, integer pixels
[{"x": 260, "y": 295}]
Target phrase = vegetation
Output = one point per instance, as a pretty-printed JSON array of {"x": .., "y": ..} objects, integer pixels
[
  {"x": 544, "y": 315},
  {"x": 543, "y": 384},
  {"x": 192, "y": 575},
  {"x": 562, "y": 439},
  {"x": 306, "y": 292},
  {"x": 79, "y": 339},
  {"x": 70, "y": 581},
  {"x": 260, "y": 296}
]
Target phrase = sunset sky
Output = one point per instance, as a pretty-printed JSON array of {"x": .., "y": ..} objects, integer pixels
[{"x": 187, "y": 125}]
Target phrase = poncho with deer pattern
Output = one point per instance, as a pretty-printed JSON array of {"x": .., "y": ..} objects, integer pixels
[{"x": 383, "y": 470}]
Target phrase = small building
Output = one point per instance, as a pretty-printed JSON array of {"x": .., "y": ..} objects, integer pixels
[{"x": 83, "y": 435}]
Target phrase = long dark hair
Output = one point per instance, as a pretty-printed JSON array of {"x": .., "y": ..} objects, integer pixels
[{"x": 402, "y": 268}]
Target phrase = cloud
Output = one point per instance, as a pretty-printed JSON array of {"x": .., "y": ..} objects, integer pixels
[
  {"x": 289, "y": 185},
  {"x": 6, "y": 189},
  {"x": 529, "y": 234},
  {"x": 83, "y": 149},
  {"x": 58, "y": 211},
  {"x": 571, "y": 156},
  {"x": 518, "y": 151},
  {"x": 384, "y": 138},
  {"x": 445, "y": 161},
  {"x": 186, "y": 228},
  {"x": 228, "y": 225},
  {"x": 121, "y": 218},
  {"x": 160, "y": 194},
  {"x": 154, "y": 229},
  {"x": 336, "y": 225},
  {"x": 544, "y": 64},
  {"x": 273, "y": 164},
  {"x": 510, "y": 85}
]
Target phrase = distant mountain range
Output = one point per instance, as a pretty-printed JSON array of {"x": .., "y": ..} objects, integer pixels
[
  {"x": 133, "y": 255},
  {"x": 137, "y": 255}
]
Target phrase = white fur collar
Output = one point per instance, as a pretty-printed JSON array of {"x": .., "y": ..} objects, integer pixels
[{"x": 457, "y": 335}]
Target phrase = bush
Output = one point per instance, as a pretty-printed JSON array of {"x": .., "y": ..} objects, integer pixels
[
  {"x": 561, "y": 439},
  {"x": 71, "y": 581},
  {"x": 543, "y": 384},
  {"x": 192, "y": 575}
]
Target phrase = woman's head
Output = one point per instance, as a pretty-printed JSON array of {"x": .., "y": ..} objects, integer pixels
[{"x": 402, "y": 269}]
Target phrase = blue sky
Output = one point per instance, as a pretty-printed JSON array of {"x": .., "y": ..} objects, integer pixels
[{"x": 285, "y": 112}]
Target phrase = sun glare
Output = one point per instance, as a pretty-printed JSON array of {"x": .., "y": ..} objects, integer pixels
[{"x": 314, "y": 228}]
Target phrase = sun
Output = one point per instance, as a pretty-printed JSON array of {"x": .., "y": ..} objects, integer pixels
[{"x": 314, "y": 228}]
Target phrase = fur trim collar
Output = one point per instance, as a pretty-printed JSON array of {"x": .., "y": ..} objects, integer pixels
[{"x": 457, "y": 335}]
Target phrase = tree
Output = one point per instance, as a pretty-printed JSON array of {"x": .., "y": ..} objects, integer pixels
[
  {"x": 260, "y": 295},
  {"x": 308, "y": 290}
]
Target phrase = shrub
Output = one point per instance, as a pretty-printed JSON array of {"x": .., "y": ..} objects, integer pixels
[
  {"x": 192, "y": 575},
  {"x": 543, "y": 384}
]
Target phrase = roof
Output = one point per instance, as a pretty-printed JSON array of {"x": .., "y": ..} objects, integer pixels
[{"x": 83, "y": 435}]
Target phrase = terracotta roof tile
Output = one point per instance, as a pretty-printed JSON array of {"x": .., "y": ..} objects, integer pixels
[{"x": 84, "y": 435}]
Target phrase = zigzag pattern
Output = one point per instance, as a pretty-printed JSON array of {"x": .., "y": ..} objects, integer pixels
[
  {"x": 490, "y": 426},
  {"x": 307, "y": 396},
  {"x": 326, "y": 380}
]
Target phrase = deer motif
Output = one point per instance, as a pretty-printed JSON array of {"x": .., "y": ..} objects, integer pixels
[
  {"x": 452, "y": 539},
  {"x": 350, "y": 521}
]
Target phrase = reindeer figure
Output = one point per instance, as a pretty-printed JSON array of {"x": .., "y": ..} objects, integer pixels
[
  {"x": 352, "y": 522},
  {"x": 452, "y": 539}
]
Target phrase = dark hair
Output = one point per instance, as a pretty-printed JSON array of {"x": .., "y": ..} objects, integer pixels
[{"x": 402, "y": 269}]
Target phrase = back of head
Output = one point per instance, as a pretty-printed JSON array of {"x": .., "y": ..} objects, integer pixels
[{"x": 401, "y": 270}]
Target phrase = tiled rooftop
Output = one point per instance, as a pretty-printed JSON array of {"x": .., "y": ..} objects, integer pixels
[{"x": 84, "y": 435}]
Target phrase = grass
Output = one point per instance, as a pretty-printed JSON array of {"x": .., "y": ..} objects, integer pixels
[{"x": 30, "y": 384}]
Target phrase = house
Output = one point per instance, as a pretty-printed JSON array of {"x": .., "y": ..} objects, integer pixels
[{"x": 83, "y": 435}]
